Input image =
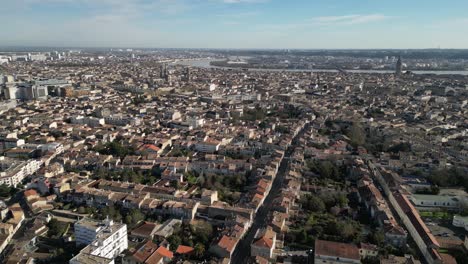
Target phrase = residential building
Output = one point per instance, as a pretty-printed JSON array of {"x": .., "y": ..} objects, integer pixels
[
  {"x": 264, "y": 243},
  {"x": 336, "y": 253},
  {"x": 105, "y": 240}
]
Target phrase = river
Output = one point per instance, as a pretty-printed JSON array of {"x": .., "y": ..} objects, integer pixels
[{"x": 205, "y": 63}]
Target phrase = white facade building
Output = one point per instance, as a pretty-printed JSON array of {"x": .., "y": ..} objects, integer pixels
[
  {"x": 438, "y": 201},
  {"x": 207, "y": 147},
  {"x": 25, "y": 91},
  {"x": 37, "y": 57},
  {"x": 105, "y": 240},
  {"x": 195, "y": 122},
  {"x": 89, "y": 121},
  {"x": 122, "y": 120},
  {"x": 13, "y": 171},
  {"x": 460, "y": 221},
  {"x": 7, "y": 105}
]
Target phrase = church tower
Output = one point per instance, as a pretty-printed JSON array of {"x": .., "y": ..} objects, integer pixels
[{"x": 398, "y": 66}]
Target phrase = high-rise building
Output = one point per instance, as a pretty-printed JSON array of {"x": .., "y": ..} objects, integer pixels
[
  {"x": 399, "y": 66},
  {"x": 105, "y": 240},
  {"x": 163, "y": 74},
  {"x": 187, "y": 74},
  {"x": 26, "y": 91}
]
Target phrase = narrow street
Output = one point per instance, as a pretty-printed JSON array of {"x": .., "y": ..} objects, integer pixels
[{"x": 242, "y": 252}]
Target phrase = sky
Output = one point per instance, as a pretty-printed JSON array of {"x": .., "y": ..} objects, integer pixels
[{"x": 242, "y": 24}]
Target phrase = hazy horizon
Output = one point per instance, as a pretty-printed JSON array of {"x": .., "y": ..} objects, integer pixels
[{"x": 235, "y": 24}]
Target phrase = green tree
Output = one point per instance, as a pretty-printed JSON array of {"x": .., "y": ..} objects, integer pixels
[
  {"x": 137, "y": 216},
  {"x": 81, "y": 210},
  {"x": 174, "y": 241},
  {"x": 400, "y": 147},
  {"x": 357, "y": 134},
  {"x": 341, "y": 200},
  {"x": 56, "y": 228},
  {"x": 116, "y": 149},
  {"x": 175, "y": 184},
  {"x": 199, "y": 250},
  {"x": 378, "y": 238},
  {"x": 128, "y": 219},
  {"x": 110, "y": 212},
  {"x": 202, "y": 231},
  {"x": 313, "y": 203},
  {"x": 6, "y": 191}
]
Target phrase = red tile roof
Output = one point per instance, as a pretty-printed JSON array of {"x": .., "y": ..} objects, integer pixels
[
  {"x": 165, "y": 252},
  {"x": 416, "y": 220},
  {"x": 448, "y": 259},
  {"x": 227, "y": 243},
  {"x": 145, "y": 251},
  {"x": 150, "y": 146},
  {"x": 30, "y": 192},
  {"x": 184, "y": 250},
  {"x": 144, "y": 230},
  {"x": 264, "y": 242},
  {"x": 335, "y": 249}
]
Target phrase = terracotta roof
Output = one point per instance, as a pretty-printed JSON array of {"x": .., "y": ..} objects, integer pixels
[
  {"x": 149, "y": 146},
  {"x": 335, "y": 249},
  {"x": 257, "y": 197},
  {"x": 165, "y": 252},
  {"x": 227, "y": 243},
  {"x": 30, "y": 192},
  {"x": 266, "y": 240},
  {"x": 154, "y": 259},
  {"x": 144, "y": 230},
  {"x": 448, "y": 259},
  {"x": 145, "y": 251},
  {"x": 184, "y": 250},
  {"x": 416, "y": 220}
]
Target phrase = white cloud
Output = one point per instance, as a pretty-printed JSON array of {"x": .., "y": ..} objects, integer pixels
[{"x": 348, "y": 19}]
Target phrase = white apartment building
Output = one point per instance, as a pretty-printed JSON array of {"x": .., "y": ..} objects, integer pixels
[
  {"x": 460, "y": 221},
  {"x": 118, "y": 120},
  {"x": 207, "y": 146},
  {"x": 437, "y": 201},
  {"x": 89, "y": 121},
  {"x": 105, "y": 240},
  {"x": 25, "y": 91},
  {"x": 13, "y": 171},
  {"x": 195, "y": 122},
  {"x": 7, "y": 105}
]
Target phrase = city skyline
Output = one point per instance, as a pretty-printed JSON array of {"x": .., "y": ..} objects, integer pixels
[{"x": 243, "y": 24}]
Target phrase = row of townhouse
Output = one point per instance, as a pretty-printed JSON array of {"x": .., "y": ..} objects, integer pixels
[
  {"x": 265, "y": 180},
  {"x": 379, "y": 210},
  {"x": 219, "y": 167},
  {"x": 155, "y": 191},
  {"x": 9, "y": 227},
  {"x": 267, "y": 240},
  {"x": 228, "y": 167},
  {"x": 409, "y": 216},
  {"x": 224, "y": 246},
  {"x": 143, "y": 201}
]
